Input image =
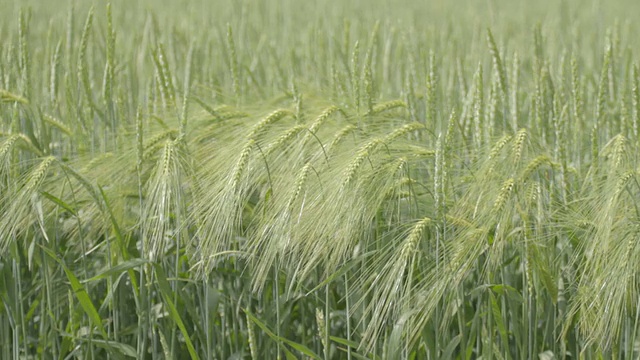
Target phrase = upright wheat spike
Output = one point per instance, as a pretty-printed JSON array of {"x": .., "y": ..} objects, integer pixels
[
  {"x": 369, "y": 86},
  {"x": 555, "y": 125},
  {"x": 337, "y": 85},
  {"x": 602, "y": 87},
  {"x": 492, "y": 107},
  {"x": 431, "y": 92},
  {"x": 478, "y": 105},
  {"x": 619, "y": 150},
  {"x": 297, "y": 99},
  {"x": 23, "y": 33},
  {"x": 54, "y": 76},
  {"x": 233, "y": 62},
  {"x": 346, "y": 39},
  {"x": 461, "y": 79},
  {"x": 562, "y": 151},
  {"x": 575, "y": 91},
  {"x": 537, "y": 47},
  {"x": 451, "y": 126},
  {"x": 83, "y": 69},
  {"x": 595, "y": 148},
  {"x": 355, "y": 79},
  {"x": 513, "y": 87},
  {"x": 624, "y": 126},
  {"x": 498, "y": 67},
  {"x": 322, "y": 328},
  {"x": 186, "y": 93},
  {"x": 410, "y": 94},
  {"x": 635, "y": 102},
  {"x": 165, "y": 79},
  {"x": 440, "y": 173},
  {"x": 251, "y": 338},
  {"x": 518, "y": 144},
  {"x": 611, "y": 69},
  {"x": 110, "y": 65}
]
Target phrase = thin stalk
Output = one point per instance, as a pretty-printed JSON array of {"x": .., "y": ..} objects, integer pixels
[
  {"x": 276, "y": 279},
  {"x": 327, "y": 345},
  {"x": 348, "y": 313}
]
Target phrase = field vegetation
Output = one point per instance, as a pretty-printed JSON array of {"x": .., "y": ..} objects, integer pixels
[{"x": 323, "y": 180}]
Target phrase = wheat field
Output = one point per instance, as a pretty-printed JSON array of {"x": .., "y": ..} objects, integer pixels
[{"x": 263, "y": 179}]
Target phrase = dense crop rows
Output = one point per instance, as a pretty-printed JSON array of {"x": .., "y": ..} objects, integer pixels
[{"x": 268, "y": 179}]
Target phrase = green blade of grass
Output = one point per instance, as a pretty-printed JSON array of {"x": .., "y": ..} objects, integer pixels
[
  {"x": 81, "y": 294},
  {"x": 118, "y": 269},
  {"x": 300, "y": 347},
  {"x": 167, "y": 296}
]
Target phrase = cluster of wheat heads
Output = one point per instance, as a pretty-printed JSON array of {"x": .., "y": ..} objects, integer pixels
[{"x": 357, "y": 190}]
